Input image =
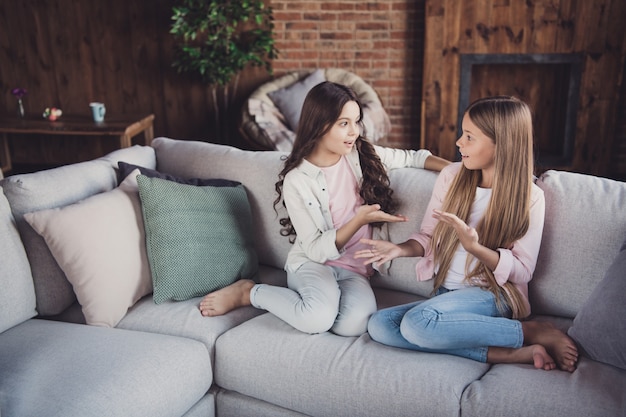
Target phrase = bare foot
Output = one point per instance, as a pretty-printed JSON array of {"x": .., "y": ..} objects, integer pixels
[
  {"x": 226, "y": 299},
  {"x": 533, "y": 354},
  {"x": 541, "y": 358},
  {"x": 558, "y": 344}
]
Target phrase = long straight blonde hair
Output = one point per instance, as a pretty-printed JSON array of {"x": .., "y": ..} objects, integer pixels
[{"x": 507, "y": 121}]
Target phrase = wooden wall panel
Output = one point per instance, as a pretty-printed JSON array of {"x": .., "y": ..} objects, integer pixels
[
  {"x": 68, "y": 53},
  {"x": 592, "y": 28}
]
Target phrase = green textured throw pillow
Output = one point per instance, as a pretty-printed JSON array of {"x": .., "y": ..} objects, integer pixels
[{"x": 198, "y": 239}]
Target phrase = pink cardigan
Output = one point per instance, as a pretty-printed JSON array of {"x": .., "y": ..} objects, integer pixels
[{"x": 516, "y": 263}]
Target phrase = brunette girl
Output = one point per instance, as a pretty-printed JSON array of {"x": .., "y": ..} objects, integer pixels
[{"x": 336, "y": 190}]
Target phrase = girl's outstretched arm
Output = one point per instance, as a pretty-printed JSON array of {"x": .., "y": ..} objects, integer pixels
[
  {"x": 435, "y": 163},
  {"x": 381, "y": 251},
  {"x": 365, "y": 214}
]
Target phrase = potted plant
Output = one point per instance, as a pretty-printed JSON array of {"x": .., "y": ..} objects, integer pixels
[{"x": 216, "y": 40}]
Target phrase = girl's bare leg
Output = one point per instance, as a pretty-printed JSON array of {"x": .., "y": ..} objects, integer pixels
[{"x": 226, "y": 299}]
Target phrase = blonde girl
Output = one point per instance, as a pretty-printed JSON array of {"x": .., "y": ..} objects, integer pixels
[{"x": 479, "y": 240}]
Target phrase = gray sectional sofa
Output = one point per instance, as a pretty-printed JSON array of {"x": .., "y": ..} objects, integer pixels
[{"x": 167, "y": 360}]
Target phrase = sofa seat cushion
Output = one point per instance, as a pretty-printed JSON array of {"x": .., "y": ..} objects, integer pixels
[
  {"x": 593, "y": 390},
  {"x": 233, "y": 404},
  {"x": 183, "y": 318},
  {"x": 330, "y": 375},
  {"x": 51, "y": 369}
]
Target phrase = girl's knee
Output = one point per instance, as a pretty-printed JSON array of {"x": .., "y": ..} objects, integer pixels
[
  {"x": 419, "y": 326},
  {"x": 352, "y": 319},
  {"x": 374, "y": 326},
  {"x": 380, "y": 325},
  {"x": 314, "y": 322},
  {"x": 354, "y": 325}
]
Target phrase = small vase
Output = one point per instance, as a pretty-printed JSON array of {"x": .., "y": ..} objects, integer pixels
[{"x": 20, "y": 108}]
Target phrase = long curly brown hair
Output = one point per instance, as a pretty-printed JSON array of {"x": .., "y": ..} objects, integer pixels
[{"x": 321, "y": 109}]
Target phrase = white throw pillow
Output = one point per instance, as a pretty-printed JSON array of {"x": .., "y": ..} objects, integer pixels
[{"x": 99, "y": 243}]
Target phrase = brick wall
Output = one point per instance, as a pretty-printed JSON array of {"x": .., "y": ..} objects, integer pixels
[{"x": 380, "y": 41}]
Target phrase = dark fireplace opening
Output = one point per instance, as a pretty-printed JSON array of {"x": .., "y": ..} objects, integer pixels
[{"x": 549, "y": 83}]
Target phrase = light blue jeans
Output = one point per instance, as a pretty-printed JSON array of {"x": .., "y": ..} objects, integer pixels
[
  {"x": 463, "y": 322},
  {"x": 320, "y": 298}
]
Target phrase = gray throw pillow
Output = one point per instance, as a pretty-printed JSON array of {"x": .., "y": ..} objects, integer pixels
[
  {"x": 289, "y": 100},
  {"x": 599, "y": 327}
]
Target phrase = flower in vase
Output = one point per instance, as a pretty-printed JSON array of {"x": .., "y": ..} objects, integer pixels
[{"x": 19, "y": 93}]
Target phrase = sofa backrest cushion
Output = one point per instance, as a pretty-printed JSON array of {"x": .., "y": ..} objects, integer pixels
[
  {"x": 54, "y": 188},
  {"x": 257, "y": 171},
  {"x": 412, "y": 189},
  {"x": 17, "y": 297},
  {"x": 583, "y": 232}
]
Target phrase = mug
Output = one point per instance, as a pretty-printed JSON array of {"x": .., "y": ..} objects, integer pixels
[{"x": 98, "y": 110}]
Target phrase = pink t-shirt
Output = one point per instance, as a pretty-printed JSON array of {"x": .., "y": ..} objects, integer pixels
[{"x": 344, "y": 201}]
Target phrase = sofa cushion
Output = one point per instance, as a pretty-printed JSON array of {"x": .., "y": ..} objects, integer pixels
[
  {"x": 17, "y": 297},
  {"x": 291, "y": 98},
  {"x": 232, "y": 403},
  {"x": 593, "y": 390},
  {"x": 59, "y": 187},
  {"x": 584, "y": 228},
  {"x": 53, "y": 369},
  {"x": 330, "y": 375},
  {"x": 198, "y": 238},
  {"x": 412, "y": 188},
  {"x": 257, "y": 171},
  {"x": 99, "y": 243},
  {"x": 599, "y": 327},
  {"x": 183, "y": 318}
]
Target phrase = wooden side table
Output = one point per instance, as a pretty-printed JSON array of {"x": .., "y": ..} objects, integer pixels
[{"x": 124, "y": 128}]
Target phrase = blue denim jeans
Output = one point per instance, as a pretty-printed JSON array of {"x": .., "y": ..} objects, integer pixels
[
  {"x": 320, "y": 298},
  {"x": 463, "y": 322}
]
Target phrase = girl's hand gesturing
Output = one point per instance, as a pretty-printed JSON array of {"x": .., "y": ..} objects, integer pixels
[
  {"x": 379, "y": 252},
  {"x": 373, "y": 214},
  {"x": 467, "y": 234}
]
